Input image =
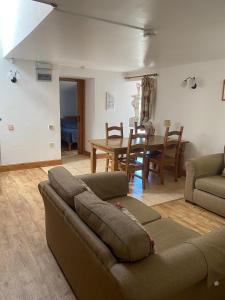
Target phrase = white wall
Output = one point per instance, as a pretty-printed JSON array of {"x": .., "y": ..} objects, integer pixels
[
  {"x": 200, "y": 111},
  {"x": 31, "y": 106}
]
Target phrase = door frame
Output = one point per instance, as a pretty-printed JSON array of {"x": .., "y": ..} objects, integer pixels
[{"x": 81, "y": 111}]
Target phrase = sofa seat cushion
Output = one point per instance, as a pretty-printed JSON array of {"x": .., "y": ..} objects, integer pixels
[
  {"x": 127, "y": 239},
  {"x": 167, "y": 233},
  {"x": 214, "y": 185},
  {"x": 65, "y": 184},
  {"x": 143, "y": 213}
]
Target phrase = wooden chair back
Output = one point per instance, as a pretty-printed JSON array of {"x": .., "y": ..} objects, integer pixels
[
  {"x": 172, "y": 142},
  {"x": 137, "y": 146},
  {"x": 141, "y": 129},
  {"x": 110, "y": 135}
]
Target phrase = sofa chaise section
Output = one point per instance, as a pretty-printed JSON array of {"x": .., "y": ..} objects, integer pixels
[{"x": 178, "y": 269}]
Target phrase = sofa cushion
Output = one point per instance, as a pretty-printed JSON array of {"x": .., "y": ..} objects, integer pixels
[
  {"x": 107, "y": 185},
  {"x": 166, "y": 233},
  {"x": 214, "y": 185},
  {"x": 127, "y": 240},
  {"x": 65, "y": 185},
  {"x": 143, "y": 213}
]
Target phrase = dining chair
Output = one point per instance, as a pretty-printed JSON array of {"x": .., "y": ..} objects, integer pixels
[
  {"x": 141, "y": 129},
  {"x": 112, "y": 132},
  {"x": 169, "y": 156},
  {"x": 137, "y": 148}
]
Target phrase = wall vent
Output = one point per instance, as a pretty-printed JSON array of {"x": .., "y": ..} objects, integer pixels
[{"x": 43, "y": 71}]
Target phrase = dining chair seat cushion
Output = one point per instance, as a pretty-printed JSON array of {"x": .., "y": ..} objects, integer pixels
[
  {"x": 126, "y": 238},
  {"x": 134, "y": 164}
]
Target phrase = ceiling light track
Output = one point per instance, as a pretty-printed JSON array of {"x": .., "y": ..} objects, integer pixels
[{"x": 146, "y": 31}]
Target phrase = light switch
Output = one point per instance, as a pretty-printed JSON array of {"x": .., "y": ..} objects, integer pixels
[
  {"x": 51, "y": 144},
  {"x": 11, "y": 127}
]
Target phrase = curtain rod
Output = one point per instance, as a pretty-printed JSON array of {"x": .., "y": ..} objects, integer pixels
[{"x": 141, "y": 76}]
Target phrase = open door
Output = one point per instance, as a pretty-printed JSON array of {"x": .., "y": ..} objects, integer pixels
[{"x": 79, "y": 102}]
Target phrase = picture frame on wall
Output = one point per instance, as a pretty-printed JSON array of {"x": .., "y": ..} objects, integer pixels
[
  {"x": 223, "y": 91},
  {"x": 110, "y": 102}
]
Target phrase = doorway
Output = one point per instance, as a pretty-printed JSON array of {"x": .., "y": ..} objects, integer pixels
[{"x": 72, "y": 114}]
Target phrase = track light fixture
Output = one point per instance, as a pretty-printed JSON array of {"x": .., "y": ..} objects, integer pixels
[{"x": 190, "y": 82}]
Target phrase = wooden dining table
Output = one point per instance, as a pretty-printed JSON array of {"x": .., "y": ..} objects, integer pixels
[{"x": 119, "y": 146}]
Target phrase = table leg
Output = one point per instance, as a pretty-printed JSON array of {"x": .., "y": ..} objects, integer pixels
[
  {"x": 93, "y": 159},
  {"x": 115, "y": 161}
]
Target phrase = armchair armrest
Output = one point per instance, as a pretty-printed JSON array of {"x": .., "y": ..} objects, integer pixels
[
  {"x": 162, "y": 276},
  {"x": 208, "y": 165},
  {"x": 107, "y": 185}
]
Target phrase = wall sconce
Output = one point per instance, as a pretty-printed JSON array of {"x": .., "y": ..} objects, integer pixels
[
  {"x": 190, "y": 82},
  {"x": 14, "y": 76}
]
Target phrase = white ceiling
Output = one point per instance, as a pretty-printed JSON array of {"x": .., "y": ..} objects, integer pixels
[{"x": 187, "y": 31}]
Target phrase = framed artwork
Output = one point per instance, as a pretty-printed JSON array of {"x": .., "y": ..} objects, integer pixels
[
  {"x": 110, "y": 102},
  {"x": 223, "y": 91}
]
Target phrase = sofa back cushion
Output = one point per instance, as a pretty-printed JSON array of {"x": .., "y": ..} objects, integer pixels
[
  {"x": 126, "y": 238},
  {"x": 65, "y": 184}
]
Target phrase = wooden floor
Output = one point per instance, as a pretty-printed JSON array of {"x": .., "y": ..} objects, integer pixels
[{"x": 28, "y": 270}]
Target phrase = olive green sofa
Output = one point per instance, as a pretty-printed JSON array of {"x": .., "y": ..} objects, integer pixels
[
  {"x": 205, "y": 185},
  {"x": 184, "y": 266}
]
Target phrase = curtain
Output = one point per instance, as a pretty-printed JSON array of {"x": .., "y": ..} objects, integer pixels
[{"x": 148, "y": 98}]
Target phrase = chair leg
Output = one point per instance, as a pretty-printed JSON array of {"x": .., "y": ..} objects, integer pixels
[
  {"x": 143, "y": 182},
  {"x": 161, "y": 174},
  {"x": 107, "y": 165},
  {"x": 176, "y": 172}
]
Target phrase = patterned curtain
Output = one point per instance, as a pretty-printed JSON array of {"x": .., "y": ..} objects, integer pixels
[{"x": 148, "y": 98}]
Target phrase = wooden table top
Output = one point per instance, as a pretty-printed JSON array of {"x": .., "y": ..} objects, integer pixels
[{"x": 122, "y": 143}]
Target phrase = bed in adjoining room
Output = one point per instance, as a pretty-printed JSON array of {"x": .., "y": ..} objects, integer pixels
[{"x": 69, "y": 131}]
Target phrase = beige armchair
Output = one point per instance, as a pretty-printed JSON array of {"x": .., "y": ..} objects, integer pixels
[{"x": 204, "y": 184}]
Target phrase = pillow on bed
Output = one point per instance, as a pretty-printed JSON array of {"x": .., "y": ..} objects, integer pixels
[{"x": 69, "y": 123}]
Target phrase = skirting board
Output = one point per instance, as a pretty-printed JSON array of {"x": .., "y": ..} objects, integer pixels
[{"x": 30, "y": 165}]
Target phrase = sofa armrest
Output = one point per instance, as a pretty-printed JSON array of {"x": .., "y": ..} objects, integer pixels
[
  {"x": 212, "y": 246},
  {"x": 107, "y": 185},
  {"x": 162, "y": 276},
  {"x": 208, "y": 165}
]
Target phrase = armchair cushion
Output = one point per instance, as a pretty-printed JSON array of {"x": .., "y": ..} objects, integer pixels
[
  {"x": 214, "y": 185},
  {"x": 126, "y": 238}
]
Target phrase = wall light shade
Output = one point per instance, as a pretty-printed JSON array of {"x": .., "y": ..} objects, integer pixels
[
  {"x": 190, "y": 82},
  {"x": 167, "y": 123}
]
